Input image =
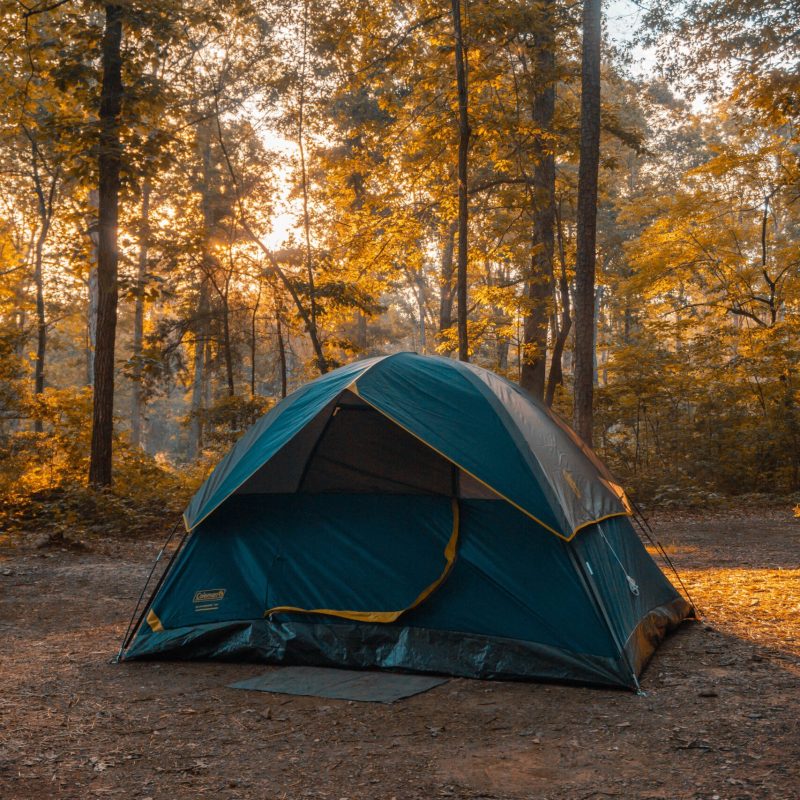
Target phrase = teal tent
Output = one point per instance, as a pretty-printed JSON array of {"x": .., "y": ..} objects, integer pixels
[{"x": 418, "y": 513}]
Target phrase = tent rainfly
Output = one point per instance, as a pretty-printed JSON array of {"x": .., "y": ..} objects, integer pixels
[{"x": 417, "y": 513}]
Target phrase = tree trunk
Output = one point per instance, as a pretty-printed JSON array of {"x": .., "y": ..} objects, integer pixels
[
  {"x": 361, "y": 331},
  {"x": 771, "y": 284},
  {"x": 463, "y": 196},
  {"x": 417, "y": 279},
  {"x": 446, "y": 279},
  {"x": 226, "y": 339},
  {"x": 322, "y": 362},
  {"x": 45, "y": 215},
  {"x": 534, "y": 331},
  {"x": 502, "y": 343},
  {"x": 253, "y": 338},
  {"x": 109, "y": 160},
  {"x": 91, "y": 318},
  {"x": 586, "y": 235},
  {"x": 543, "y": 200},
  {"x": 201, "y": 326},
  {"x": 211, "y": 267},
  {"x": 281, "y": 353},
  {"x": 598, "y": 306},
  {"x": 137, "y": 395},
  {"x": 556, "y": 376},
  {"x": 91, "y": 286},
  {"x": 41, "y": 324}
]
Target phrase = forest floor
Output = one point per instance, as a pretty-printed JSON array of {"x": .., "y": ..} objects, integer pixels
[{"x": 720, "y": 719}]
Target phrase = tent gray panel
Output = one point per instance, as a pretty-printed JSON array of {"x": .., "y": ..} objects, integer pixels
[{"x": 341, "y": 684}]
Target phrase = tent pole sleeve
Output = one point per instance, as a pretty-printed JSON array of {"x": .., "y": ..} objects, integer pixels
[{"x": 388, "y": 616}]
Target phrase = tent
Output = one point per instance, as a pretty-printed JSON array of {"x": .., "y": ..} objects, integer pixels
[{"x": 417, "y": 513}]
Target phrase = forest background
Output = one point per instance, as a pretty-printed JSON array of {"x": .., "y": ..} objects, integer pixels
[{"x": 204, "y": 205}]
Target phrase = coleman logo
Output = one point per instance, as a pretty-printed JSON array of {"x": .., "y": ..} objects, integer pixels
[{"x": 209, "y": 595}]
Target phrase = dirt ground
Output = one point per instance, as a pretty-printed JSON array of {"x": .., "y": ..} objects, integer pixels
[{"x": 719, "y": 720}]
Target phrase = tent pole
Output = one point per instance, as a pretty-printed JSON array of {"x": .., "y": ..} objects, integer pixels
[{"x": 133, "y": 627}]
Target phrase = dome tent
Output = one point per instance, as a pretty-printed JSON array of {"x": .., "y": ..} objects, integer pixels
[{"x": 413, "y": 512}]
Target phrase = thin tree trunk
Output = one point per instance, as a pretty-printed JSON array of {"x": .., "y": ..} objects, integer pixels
[
  {"x": 253, "y": 339},
  {"x": 45, "y": 215},
  {"x": 586, "y": 235},
  {"x": 322, "y": 363},
  {"x": 107, "y": 256},
  {"x": 91, "y": 319},
  {"x": 463, "y": 195},
  {"x": 226, "y": 339},
  {"x": 498, "y": 314},
  {"x": 556, "y": 376},
  {"x": 446, "y": 279},
  {"x": 543, "y": 189},
  {"x": 201, "y": 325},
  {"x": 210, "y": 263},
  {"x": 598, "y": 305},
  {"x": 41, "y": 325},
  {"x": 137, "y": 395},
  {"x": 420, "y": 293},
  {"x": 281, "y": 353},
  {"x": 771, "y": 284},
  {"x": 198, "y": 370},
  {"x": 92, "y": 231},
  {"x": 361, "y": 331}
]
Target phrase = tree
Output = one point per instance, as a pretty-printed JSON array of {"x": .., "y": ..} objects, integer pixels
[
  {"x": 463, "y": 186},
  {"x": 586, "y": 234},
  {"x": 108, "y": 164},
  {"x": 542, "y": 191},
  {"x": 45, "y": 197},
  {"x": 301, "y": 111},
  {"x": 137, "y": 395}
]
